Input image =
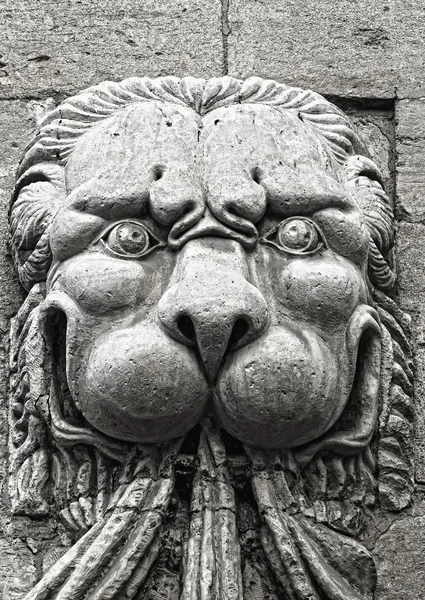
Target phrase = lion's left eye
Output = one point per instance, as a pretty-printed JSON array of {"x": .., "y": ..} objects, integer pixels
[
  {"x": 296, "y": 235},
  {"x": 129, "y": 239}
]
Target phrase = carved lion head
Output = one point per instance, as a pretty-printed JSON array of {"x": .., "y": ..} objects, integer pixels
[{"x": 207, "y": 247}]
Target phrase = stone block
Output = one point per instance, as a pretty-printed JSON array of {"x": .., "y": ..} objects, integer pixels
[
  {"x": 420, "y": 415},
  {"x": 340, "y": 48},
  {"x": 410, "y": 164},
  {"x": 55, "y": 46},
  {"x": 375, "y": 128},
  {"x": 400, "y": 561},
  {"x": 364, "y": 49},
  {"x": 408, "y": 35},
  {"x": 411, "y": 290},
  {"x": 410, "y": 265}
]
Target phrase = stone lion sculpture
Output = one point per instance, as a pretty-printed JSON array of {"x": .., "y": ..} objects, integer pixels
[{"x": 210, "y": 382}]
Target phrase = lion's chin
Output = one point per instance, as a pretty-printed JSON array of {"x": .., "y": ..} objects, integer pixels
[{"x": 285, "y": 389}]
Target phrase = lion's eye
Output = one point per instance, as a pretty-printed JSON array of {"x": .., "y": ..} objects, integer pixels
[
  {"x": 129, "y": 239},
  {"x": 296, "y": 235}
]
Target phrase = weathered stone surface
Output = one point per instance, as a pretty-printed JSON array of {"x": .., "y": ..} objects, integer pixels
[
  {"x": 364, "y": 49},
  {"x": 410, "y": 266},
  {"x": 410, "y": 164},
  {"x": 408, "y": 36},
  {"x": 399, "y": 555},
  {"x": 420, "y": 413},
  {"x": 17, "y": 570},
  {"x": 376, "y": 129},
  {"x": 344, "y": 49},
  {"x": 411, "y": 293},
  {"x": 212, "y": 259},
  {"x": 55, "y": 47}
]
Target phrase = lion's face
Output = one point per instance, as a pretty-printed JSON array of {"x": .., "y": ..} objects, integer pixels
[{"x": 209, "y": 261}]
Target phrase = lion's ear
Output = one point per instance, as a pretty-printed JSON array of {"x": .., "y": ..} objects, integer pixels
[
  {"x": 37, "y": 195},
  {"x": 363, "y": 179}
]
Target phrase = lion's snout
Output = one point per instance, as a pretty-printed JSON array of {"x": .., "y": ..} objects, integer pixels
[{"x": 210, "y": 304}]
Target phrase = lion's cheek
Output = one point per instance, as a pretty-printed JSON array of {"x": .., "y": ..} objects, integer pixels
[
  {"x": 283, "y": 390},
  {"x": 100, "y": 284},
  {"x": 138, "y": 385},
  {"x": 324, "y": 290}
]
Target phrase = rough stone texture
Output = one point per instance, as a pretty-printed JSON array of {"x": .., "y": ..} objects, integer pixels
[
  {"x": 17, "y": 570},
  {"x": 411, "y": 293},
  {"x": 420, "y": 408},
  {"x": 399, "y": 554},
  {"x": 410, "y": 165},
  {"x": 16, "y": 123},
  {"x": 376, "y": 128},
  {"x": 18, "y": 119},
  {"x": 364, "y": 49},
  {"x": 411, "y": 274},
  {"x": 343, "y": 49},
  {"x": 408, "y": 37},
  {"x": 52, "y": 47},
  {"x": 218, "y": 304}
]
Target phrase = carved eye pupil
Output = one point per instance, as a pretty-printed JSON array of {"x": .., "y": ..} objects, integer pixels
[
  {"x": 298, "y": 234},
  {"x": 130, "y": 238}
]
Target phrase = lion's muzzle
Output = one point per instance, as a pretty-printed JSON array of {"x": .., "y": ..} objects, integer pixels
[{"x": 210, "y": 304}]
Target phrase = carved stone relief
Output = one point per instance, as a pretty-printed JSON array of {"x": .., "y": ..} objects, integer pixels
[{"x": 210, "y": 381}]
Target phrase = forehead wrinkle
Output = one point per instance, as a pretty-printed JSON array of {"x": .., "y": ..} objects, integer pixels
[
  {"x": 291, "y": 192},
  {"x": 99, "y": 197},
  {"x": 269, "y": 129},
  {"x": 295, "y": 168},
  {"x": 138, "y": 137},
  {"x": 114, "y": 178}
]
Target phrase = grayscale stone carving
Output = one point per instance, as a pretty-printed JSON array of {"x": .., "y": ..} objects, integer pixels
[{"x": 210, "y": 381}]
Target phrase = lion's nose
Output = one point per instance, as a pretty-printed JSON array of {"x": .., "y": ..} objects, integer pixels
[{"x": 212, "y": 306}]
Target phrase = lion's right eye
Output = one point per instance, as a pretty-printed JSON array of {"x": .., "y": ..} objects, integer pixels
[{"x": 129, "y": 239}]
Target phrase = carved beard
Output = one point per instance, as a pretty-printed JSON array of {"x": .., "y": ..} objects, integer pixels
[
  {"x": 117, "y": 557},
  {"x": 120, "y": 552}
]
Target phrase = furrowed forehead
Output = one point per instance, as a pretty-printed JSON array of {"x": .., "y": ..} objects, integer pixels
[
  {"x": 254, "y": 133},
  {"x": 142, "y": 131},
  {"x": 158, "y": 132}
]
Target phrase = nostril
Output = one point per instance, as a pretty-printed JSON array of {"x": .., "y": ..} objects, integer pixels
[
  {"x": 158, "y": 172},
  {"x": 186, "y": 328},
  {"x": 240, "y": 328},
  {"x": 256, "y": 176}
]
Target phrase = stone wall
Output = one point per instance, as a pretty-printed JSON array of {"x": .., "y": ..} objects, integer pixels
[{"x": 366, "y": 57}]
